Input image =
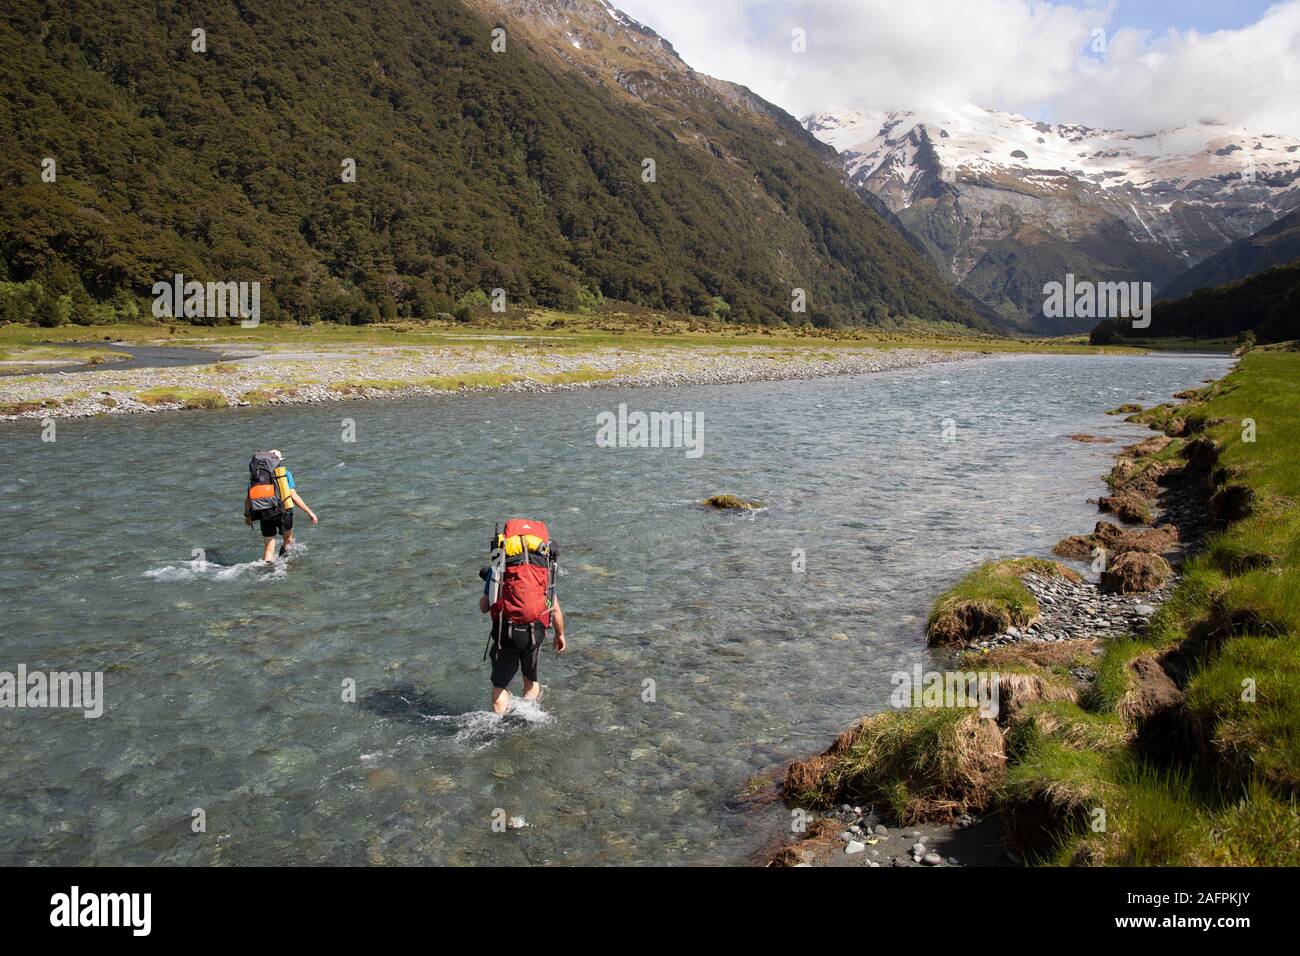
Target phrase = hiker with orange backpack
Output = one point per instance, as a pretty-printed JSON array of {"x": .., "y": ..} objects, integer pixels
[
  {"x": 270, "y": 500},
  {"x": 519, "y": 592}
]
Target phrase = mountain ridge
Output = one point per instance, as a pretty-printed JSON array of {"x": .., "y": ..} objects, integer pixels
[
  {"x": 1277, "y": 244},
  {"x": 1004, "y": 203}
]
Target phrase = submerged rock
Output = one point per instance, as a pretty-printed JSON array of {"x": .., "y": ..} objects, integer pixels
[{"x": 731, "y": 503}]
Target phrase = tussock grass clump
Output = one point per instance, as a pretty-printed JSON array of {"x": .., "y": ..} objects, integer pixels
[
  {"x": 989, "y": 600},
  {"x": 1260, "y": 542},
  {"x": 1260, "y": 829},
  {"x": 1027, "y": 674},
  {"x": 1139, "y": 478},
  {"x": 1265, "y": 601},
  {"x": 1127, "y": 507},
  {"x": 1112, "y": 680},
  {"x": 1065, "y": 723},
  {"x": 1050, "y": 796},
  {"x": 1148, "y": 690},
  {"x": 187, "y": 397},
  {"x": 1153, "y": 817},
  {"x": 1167, "y": 418},
  {"x": 1135, "y": 572},
  {"x": 1248, "y": 704},
  {"x": 1018, "y": 689},
  {"x": 1150, "y": 540},
  {"x": 1156, "y": 817},
  {"x": 1117, "y": 540},
  {"x": 1161, "y": 445},
  {"x": 924, "y": 764}
]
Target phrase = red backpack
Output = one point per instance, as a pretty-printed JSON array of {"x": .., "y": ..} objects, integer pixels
[{"x": 528, "y": 583}]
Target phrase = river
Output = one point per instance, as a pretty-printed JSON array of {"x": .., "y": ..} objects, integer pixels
[{"x": 698, "y": 655}]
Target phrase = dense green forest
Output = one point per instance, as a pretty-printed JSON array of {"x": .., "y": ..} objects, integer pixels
[
  {"x": 1265, "y": 306},
  {"x": 475, "y": 170}
]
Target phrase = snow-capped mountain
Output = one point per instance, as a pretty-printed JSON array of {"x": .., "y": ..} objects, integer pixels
[{"x": 1004, "y": 203}]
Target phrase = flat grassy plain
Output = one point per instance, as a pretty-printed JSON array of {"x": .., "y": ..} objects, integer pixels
[{"x": 558, "y": 330}]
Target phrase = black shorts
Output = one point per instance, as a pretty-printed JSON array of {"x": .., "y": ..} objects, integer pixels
[
  {"x": 280, "y": 524},
  {"x": 507, "y": 658}
]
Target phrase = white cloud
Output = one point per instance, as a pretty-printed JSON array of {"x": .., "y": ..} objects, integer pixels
[{"x": 1028, "y": 56}]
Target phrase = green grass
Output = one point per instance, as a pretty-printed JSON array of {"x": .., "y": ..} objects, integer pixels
[
  {"x": 553, "y": 330},
  {"x": 988, "y": 600},
  {"x": 1248, "y": 695},
  {"x": 1063, "y": 723},
  {"x": 1112, "y": 680},
  {"x": 1050, "y": 794}
]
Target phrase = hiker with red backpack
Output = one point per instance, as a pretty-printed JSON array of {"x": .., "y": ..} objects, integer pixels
[
  {"x": 519, "y": 592},
  {"x": 270, "y": 500}
]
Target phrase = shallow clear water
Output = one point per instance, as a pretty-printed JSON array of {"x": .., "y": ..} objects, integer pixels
[
  {"x": 224, "y": 680},
  {"x": 142, "y": 356}
]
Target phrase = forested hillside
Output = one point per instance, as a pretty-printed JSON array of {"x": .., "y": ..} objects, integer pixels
[
  {"x": 1267, "y": 304},
  {"x": 475, "y": 170}
]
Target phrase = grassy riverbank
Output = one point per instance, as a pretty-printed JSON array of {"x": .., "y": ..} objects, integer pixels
[{"x": 1180, "y": 745}]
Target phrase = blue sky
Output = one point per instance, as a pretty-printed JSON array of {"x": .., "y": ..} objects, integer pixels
[
  {"x": 1200, "y": 15},
  {"x": 1165, "y": 63}
]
